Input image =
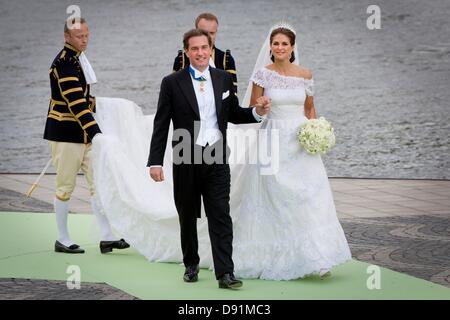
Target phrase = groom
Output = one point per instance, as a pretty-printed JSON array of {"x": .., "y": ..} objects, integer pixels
[{"x": 199, "y": 101}]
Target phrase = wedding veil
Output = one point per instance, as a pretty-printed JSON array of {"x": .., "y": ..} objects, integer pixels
[
  {"x": 264, "y": 59},
  {"x": 239, "y": 152}
]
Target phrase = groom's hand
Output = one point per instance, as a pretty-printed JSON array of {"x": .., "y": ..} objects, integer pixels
[
  {"x": 157, "y": 174},
  {"x": 263, "y": 105}
]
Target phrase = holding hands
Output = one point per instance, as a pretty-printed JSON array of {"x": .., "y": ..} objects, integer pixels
[{"x": 263, "y": 105}]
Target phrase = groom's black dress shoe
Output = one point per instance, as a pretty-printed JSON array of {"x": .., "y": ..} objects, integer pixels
[
  {"x": 108, "y": 246},
  {"x": 228, "y": 281},
  {"x": 59, "y": 247},
  {"x": 191, "y": 273}
]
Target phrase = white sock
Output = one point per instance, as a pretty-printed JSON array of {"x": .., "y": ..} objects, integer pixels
[
  {"x": 102, "y": 220},
  {"x": 61, "y": 212}
]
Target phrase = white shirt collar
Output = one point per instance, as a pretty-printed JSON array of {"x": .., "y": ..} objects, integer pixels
[
  {"x": 198, "y": 74},
  {"x": 88, "y": 71},
  {"x": 211, "y": 62}
]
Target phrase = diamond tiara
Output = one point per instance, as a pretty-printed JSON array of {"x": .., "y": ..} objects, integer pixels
[{"x": 283, "y": 25}]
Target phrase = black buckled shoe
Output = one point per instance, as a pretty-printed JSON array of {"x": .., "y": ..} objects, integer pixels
[
  {"x": 108, "y": 246},
  {"x": 228, "y": 281},
  {"x": 74, "y": 248},
  {"x": 191, "y": 273}
]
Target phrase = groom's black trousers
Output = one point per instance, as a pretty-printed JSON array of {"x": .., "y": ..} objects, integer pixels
[{"x": 212, "y": 182}]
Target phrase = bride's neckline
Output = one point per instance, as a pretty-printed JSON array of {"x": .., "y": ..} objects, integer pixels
[{"x": 278, "y": 74}]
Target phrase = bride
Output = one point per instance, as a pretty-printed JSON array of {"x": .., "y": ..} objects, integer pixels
[{"x": 285, "y": 224}]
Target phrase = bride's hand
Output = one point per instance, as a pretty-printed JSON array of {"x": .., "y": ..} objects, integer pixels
[
  {"x": 157, "y": 174},
  {"x": 263, "y": 105}
]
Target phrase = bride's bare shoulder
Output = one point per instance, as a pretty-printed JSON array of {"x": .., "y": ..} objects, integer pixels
[
  {"x": 303, "y": 72},
  {"x": 270, "y": 67}
]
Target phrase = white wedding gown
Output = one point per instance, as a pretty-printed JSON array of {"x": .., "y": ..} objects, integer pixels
[{"x": 285, "y": 223}]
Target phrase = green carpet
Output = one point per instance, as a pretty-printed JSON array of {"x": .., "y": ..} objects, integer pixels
[{"x": 26, "y": 251}]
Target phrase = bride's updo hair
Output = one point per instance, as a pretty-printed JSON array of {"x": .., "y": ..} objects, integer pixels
[{"x": 288, "y": 33}]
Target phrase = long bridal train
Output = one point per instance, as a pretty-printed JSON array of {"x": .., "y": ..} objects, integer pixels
[
  {"x": 285, "y": 224},
  {"x": 140, "y": 209}
]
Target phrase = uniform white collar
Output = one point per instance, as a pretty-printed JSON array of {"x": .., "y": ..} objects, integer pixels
[{"x": 88, "y": 71}]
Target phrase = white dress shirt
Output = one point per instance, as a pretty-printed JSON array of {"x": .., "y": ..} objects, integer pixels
[{"x": 209, "y": 128}]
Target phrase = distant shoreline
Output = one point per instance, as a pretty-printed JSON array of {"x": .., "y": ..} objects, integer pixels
[{"x": 330, "y": 177}]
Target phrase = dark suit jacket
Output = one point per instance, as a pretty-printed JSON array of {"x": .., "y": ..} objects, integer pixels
[{"x": 177, "y": 103}]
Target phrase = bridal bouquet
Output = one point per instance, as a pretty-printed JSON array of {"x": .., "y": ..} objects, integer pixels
[{"x": 316, "y": 136}]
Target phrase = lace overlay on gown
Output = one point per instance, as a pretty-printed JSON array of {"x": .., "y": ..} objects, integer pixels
[
  {"x": 267, "y": 78},
  {"x": 285, "y": 224}
]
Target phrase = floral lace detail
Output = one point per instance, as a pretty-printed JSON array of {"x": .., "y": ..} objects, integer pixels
[
  {"x": 309, "y": 87},
  {"x": 270, "y": 79},
  {"x": 284, "y": 224}
]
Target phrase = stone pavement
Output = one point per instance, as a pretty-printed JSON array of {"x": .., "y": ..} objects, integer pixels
[
  {"x": 32, "y": 289},
  {"x": 403, "y": 225}
]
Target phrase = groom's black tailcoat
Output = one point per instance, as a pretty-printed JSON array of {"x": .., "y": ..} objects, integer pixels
[{"x": 178, "y": 103}]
